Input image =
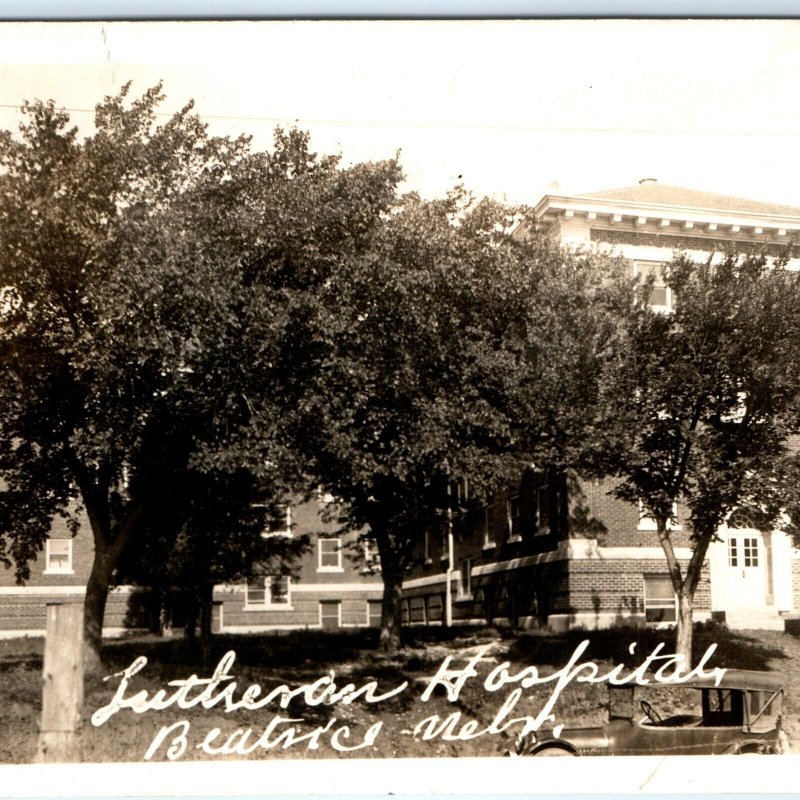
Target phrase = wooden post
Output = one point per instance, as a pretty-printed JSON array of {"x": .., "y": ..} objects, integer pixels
[{"x": 62, "y": 695}]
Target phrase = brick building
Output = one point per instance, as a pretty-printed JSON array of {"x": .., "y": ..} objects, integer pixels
[
  {"x": 556, "y": 550},
  {"x": 335, "y": 585},
  {"x": 561, "y": 551}
]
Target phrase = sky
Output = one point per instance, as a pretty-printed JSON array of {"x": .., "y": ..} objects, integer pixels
[{"x": 511, "y": 109}]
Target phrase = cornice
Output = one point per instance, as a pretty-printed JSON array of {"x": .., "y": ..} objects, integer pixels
[{"x": 701, "y": 220}]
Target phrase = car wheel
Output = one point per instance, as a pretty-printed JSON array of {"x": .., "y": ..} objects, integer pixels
[{"x": 758, "y": 749}]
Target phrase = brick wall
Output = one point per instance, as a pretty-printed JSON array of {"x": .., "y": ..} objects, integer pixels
[
  {"x": 613, "y": 522},
  {"x": 617, "y": 586},
  {"x": 304, "y": 610},
  {"x": 26, "y": 611}
]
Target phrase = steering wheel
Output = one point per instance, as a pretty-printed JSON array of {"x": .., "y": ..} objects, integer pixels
[{"x": 650, "y": 712}]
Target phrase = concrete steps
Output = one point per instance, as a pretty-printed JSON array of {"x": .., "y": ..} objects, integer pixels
[{"x": 762, "y": 619}]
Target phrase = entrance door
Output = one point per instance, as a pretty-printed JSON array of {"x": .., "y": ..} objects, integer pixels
[
  {"x": 330, "y": 614},
  {"x": 745, "y": 574}
]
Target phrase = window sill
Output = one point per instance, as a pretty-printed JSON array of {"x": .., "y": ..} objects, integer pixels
[
  {"x": 463, "y": 598},
  {"x": 489, "y": 546},
  {"x": 270, "y": 607},
  {"x": 330, "y": 569},
  {"x": 58, "y": 572},
  {"x": 513, "y": 539}
]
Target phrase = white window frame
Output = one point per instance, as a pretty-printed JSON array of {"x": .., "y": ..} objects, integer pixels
[
  {"x": 669, "y": 307},
  {"x": 268, "y": 603},
  {"x": 664, "y": 604},
  {"x": 338, "y": 604},
  {"x": 488, "y": 542},
  {"x": 51, "y": 569},
  {"x": 339, "y": 567},
  {"x": 513, "y": 535},
  {"x": 285, "y": 532},
  {"x": 372, "y": 560},
  {"x": 750, "y": 552},
  {"x": 647, "y": 523}
]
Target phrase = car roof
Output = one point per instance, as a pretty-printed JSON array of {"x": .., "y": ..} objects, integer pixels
[{"x": 754, "y": 680}]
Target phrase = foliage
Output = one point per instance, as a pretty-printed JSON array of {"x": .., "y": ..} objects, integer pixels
[
  {"x": 702, "y": 400},
  {"x": 152, "y": 279},
  {"x": 438, "y": 342}
]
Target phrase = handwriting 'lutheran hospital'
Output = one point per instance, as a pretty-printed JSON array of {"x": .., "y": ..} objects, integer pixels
[{"x": 557, "y": 550}]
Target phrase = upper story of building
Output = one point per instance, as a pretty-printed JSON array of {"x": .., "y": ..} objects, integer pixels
[
  {"x": 650, "y": 221},
  {"x": 333, "y": 554}
]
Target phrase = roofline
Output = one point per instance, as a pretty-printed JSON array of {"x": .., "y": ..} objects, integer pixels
[
  {"x": 752, "y": 680},
  {"x": 662, "y": 210}
]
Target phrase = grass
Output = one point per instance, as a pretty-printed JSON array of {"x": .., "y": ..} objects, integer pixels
[{"x": 303, "y": 657}]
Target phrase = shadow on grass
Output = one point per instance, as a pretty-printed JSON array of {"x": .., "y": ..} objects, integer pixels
[
  {"x": 302, "y": 655},
  {"x": 734, "y": 650}
]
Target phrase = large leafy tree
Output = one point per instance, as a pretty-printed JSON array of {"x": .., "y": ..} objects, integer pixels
[
  {"x": 699, "y": 406},
  {"x": 152, "y": 277},
  {"x": 437, "y": 344}
]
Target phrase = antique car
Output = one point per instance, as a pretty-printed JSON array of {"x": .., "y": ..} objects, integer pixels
[{"x": 741, "y": 714}]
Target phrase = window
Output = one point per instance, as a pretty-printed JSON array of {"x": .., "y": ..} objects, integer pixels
[
  {"x": 330, "y": 555},
  {"x": 733, "y": 553},
  {"x": 271, "y": 591},
  {"x": 465, "y": 578},
  {"x": 330, "y": 615},
  {"x": 514, "y": 518},
  {"x": 723, "y": 707},
  {"x": 374, "y": 610},
  {"x": 58, "y": 556},
  {"x": 647, "y": 523},
  {"x": 543, "y": 509},
  {"x": 488, "y": 542},
  {"x": 660, "y": 294},
  {"x": 372, "y": 562},
  {"x": 743, "y": 551},
  {"x": 750, "y": 551},
  {"x": 281, "y": 525},
  {"x": 416, "y": 610},
  {"x": 660, "y": 603},
  {"x": 435, "y": 608}
]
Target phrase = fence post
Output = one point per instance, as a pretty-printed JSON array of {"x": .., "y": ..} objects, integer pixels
[{"x": 62, "y": 694}]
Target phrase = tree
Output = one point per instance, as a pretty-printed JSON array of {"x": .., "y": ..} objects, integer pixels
[
  {"x": 152, "y": 277},
  {"x": 700, "y": 402},
  {"x": 434, "y": 349}
]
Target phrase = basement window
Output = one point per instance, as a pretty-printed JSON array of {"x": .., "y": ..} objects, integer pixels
[{"x": 660, "y": 601}]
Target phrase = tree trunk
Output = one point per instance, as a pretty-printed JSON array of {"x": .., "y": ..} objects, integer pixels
[
  {"x": 391, "y": 619},
  {"x": 683, "y": 631},
  {"x": 95, "y": 609},
  {"x": 206, "y": 596},
  {"x": 190, "y": 631}
]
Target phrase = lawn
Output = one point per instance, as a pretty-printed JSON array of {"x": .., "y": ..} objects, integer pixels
[{"x": 300, "y": 659}]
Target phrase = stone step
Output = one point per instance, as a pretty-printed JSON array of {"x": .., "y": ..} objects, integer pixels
[{"x": 761, "y": 619}]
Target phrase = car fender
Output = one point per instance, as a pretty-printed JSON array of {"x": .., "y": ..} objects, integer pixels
[{"x": 551, "y": 745}]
